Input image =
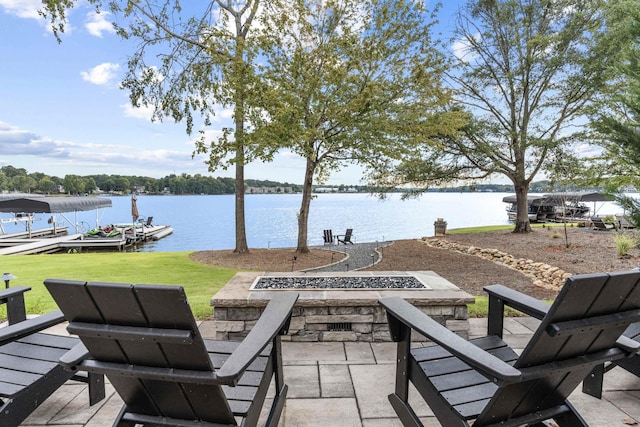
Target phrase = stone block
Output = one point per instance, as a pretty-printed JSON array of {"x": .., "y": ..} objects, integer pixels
[
  {"x": 460, "y": 327},
  {"x": 220, "y": 313},
  {"x": 351, "y": 310},
  {"x": 381, "y": 336},
  {"x": 380, "y": 315},
  {"x": 248, "y": 325},
  {"x": 340, "y": 336},
  {"x": 461, "y": 312},
  {"x": 310, "y": 311},
  {"x": 306, "y": 336},
  {"x": 229, "y": 326},
  {"x": 362, "y": 328},
  {"x": 297, "y": 322},
  {"x": 343, "y": 318},
  {"x": 384, "y": 327},
  {"x": 246, "y": 313},
  {"x": 316, "y": 327}
]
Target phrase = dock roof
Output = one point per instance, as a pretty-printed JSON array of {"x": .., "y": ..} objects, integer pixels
[{"x": 53, "y": 204}]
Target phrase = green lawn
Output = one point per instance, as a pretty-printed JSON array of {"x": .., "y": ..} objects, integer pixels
[
  {"x": 175, "y": 268},
  {"x": 481, "y": 306},
  {"x": 201, "y": 282},
  {"x": 486, "y": 228}
]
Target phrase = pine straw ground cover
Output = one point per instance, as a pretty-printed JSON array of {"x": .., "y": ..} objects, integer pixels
[{"x": 588, "y": 251}]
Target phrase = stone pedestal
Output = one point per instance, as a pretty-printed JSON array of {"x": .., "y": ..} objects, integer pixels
[
  {"x": 440, "y": 227},
  {"x": 338, "y": 314}
]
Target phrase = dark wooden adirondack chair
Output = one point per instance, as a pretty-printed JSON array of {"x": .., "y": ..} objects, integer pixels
[
  {"x": 328, "y": 237},
  {"x": 484, "y": 380},
  {"x": 346, "y": 237},
  {"x": 145, "y": 339},
  {"x": 600, "y": 225},
  {"x": 29, "y": 369},
  {"x": 592, "y": 385}
]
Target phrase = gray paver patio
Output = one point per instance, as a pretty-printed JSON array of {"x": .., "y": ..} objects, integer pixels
[{"x": 337, "y": 384}]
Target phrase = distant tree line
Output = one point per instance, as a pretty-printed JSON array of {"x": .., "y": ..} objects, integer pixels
[
  {"x": 544, "y": 186},
  {"x": 18, "y": 179}
]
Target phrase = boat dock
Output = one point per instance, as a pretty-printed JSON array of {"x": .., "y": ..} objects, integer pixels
[
  {"x": 11, "y": 244},
  {"x": 55, "y": 238}
]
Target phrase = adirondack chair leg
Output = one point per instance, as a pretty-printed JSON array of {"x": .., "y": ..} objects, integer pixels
[
  {"x": 592, "y": 385},
  {"x": 281, "y": 388},
  {"x": 404, "y": 373},
  {"x": 400, "y": 399},
  {"x": 16, "y": 311},
  {"x": 495, "y": 318},
  {"x": 404, "y": 412},
  {"x": 96, "y": 388},
  {"x": 120, "y": 422}
]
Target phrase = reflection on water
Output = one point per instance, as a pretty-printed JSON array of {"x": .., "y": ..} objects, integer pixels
[{"x": 207, "y": 222}]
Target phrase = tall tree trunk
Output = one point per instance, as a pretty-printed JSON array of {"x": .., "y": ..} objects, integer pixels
[
  {"x": 522, "y": 215},
  {"x": 303, "y": 215},
  {"x": 241, "y": 233}
]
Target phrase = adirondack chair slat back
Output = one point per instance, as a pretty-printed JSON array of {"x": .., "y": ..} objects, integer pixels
[
  {"x": 145, "y": 306},
  {"x": 582, "y": 297}
]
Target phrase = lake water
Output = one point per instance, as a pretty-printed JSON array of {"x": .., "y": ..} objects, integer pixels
[{"x": 207, "y": 222}]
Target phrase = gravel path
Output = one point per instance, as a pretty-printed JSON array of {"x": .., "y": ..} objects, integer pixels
[{"x": 357, "y": 256}]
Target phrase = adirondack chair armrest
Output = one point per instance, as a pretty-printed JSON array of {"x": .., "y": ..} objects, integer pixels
[
  {"x": 72, "y": 358},
  {"x": 519, "y": 301},
  {"x": 631, "y": 346},
  {"x": 5, "y": 294},
  {"x": 274, "y": 320},
  {"x": 400, "y": 311},
  {"x": 30, "y": 326},
  {"x": 14, "y": 299}
]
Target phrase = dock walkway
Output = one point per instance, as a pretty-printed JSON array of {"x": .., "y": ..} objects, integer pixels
[{"x": 11, "y": 245}]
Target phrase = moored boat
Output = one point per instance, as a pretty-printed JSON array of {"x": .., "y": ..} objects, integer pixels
[{"x": 539, "y": 208}]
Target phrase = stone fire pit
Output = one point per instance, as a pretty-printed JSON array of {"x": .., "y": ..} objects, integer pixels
[{"x": 337, "y": 306}]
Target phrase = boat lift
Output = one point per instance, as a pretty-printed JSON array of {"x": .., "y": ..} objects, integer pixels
[{"x": 25, "y": 206}]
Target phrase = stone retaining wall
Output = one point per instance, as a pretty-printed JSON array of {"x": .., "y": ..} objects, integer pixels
[
  {"x": 334, "y": 323},
  {"x": 543, "y": 275}
]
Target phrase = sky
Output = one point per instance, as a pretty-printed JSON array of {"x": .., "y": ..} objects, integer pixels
[{"x": 62, "y": 111}]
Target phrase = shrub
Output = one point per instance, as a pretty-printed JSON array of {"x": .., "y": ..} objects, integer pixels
[{"x": 624, "y": 243}]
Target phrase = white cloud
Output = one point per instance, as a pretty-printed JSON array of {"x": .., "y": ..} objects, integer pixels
[
  {"x": 101, "y": 74},
  {"x": 222, "y": 114},
  {"x": 16, "y": 143},
  {"x": 462, "y": 49},
  {"x": 588, "y": 150},
  {"x": 144, "y": 113},
  {"x": 22, "y": 8},
  {"x": 97, "y": 23}
]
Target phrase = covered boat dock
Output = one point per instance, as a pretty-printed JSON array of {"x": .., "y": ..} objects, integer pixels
[{"x": 55, "y": 238}]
